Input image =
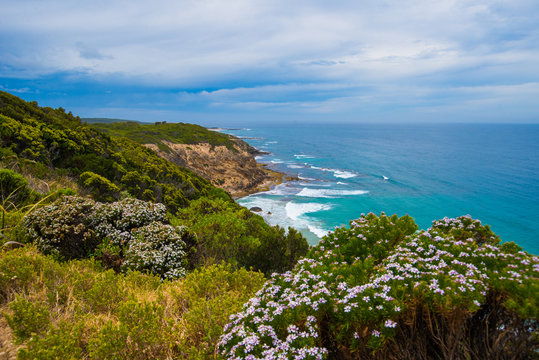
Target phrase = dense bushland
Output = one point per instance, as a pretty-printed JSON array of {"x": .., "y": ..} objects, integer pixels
[
  {"x": 179, "y": 133},
  {"x": 381, "y": 290},
  {"x": 42, "y": 141}
]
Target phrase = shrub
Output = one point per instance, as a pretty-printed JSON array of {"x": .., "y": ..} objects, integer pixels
[
  {"x": 62, "y": 228},
  {"x": 72, "y": 227},
  {"x": 61, "y": 342},
  {"x": 27, "y": 319},
  {"x": 229, "y": 232},
  {"x": 102, "y": 292},
  {"x": 101, "y": 188},
  {"x": 115, "y": 221},
  {"x": 379, "y": 289},
  {"x": 128, "y": 234},
  {"x": 142, "y": 332},
  {"x": 209, "y": 295},
  {"x": 18, "y": 270},
  {"x": 160, "y": 249},
  {"x": 14, "y": 189}
]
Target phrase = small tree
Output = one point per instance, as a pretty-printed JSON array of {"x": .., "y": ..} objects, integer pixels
[
  {"x": 101, "y": 188},
  {"x": 14, "y": 188}
]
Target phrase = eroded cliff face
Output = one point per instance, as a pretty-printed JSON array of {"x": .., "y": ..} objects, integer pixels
[{"x": 235, "y": 171}]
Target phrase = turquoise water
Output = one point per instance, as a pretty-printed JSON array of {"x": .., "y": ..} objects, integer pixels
[{"x": 427, "y": 171}]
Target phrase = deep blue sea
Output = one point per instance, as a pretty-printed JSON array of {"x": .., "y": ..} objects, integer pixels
[{"x": 427, "y": 171}]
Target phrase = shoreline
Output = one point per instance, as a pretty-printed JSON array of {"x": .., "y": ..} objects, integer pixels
[{"x": 273, "y": 179}]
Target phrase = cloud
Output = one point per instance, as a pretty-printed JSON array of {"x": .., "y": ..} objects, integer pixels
[
  {"x": 90, "y": 53},
  {"x": 274, "y": 54},
  {"x": 24, "y": 90}
]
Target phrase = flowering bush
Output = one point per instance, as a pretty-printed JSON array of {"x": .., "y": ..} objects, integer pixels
[
  {"x": 72, "y": 226},
  {"x": 380, "y": 289},
  {"x": 62, "y": 228},
  {"x": 158, "y": 248},
  {"x": 133, "y": 229}
]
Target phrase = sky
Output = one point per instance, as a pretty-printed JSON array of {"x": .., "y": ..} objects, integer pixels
[{"x": 218, "y": 62}]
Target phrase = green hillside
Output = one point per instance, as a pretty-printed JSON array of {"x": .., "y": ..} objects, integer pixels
[
  {"x": 173, "y": 132},
  {"x": 46, "y": 140},
  {"x": 105, "y": 120}
]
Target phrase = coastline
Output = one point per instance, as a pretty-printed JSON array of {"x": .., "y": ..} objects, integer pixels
[
  {"x": 236, "y": 171},
  {"x": 273, "y": 178}
]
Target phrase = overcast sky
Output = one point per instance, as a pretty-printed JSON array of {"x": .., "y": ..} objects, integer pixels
[{"x": 226, "y": 62}]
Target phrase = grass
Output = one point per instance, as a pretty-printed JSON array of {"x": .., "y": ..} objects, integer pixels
[{"x": 77, "y": 309}]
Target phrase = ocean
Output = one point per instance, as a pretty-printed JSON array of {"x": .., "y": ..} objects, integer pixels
[{"x": 490, "y": 172}]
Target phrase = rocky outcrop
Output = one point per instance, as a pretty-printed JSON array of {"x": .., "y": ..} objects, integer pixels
[{"x": 234, "y": 170}]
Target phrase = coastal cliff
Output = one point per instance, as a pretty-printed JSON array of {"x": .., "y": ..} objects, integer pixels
[
  {"x": 226, "y": 161},
  {"x": 233, "y": 169}
]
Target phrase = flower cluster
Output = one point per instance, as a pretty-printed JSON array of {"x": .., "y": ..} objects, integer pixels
[
  {"x": 158, "y": 248},
  {"x": 359, "y": 282},
  {"x": 116, "y": 220},
  {"x": 74, "y": 227}
]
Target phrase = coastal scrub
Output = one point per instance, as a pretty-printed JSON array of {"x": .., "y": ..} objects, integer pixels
[{"x": 77, "y": 310}]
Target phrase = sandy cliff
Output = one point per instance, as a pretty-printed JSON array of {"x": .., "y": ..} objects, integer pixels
[{"x": 234, "y": 170}]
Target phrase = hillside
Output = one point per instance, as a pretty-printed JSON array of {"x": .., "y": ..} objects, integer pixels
[
  {"x": 105, "y": 120},
  {"x": 46, "y": 141},
  {"x": 224, "y": 160}
]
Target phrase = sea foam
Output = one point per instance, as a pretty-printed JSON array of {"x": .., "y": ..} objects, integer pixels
[
  {"x": 295, "y": 210},
  {"x": 343, "y": 174},
  {"x": 301, "y": 156},
  {"x": 328, "y": 193},
  {"x": 317, "y": 231}
]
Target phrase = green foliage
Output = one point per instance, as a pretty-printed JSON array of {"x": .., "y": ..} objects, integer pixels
[
  {"x": 28, "y": 318},
  {"x": 14, "y": 189},
  {"x": 228, "y": 232},
  {"x": 128, "y": 234},
  {"x": 379, "y": 289},
  {"x": 210, "y": 295},
  {"x": 142, "y": 332},
  {"x": 52, "y": 139},
  {"x": 77, "y": 310},
  {"x": 101, "y": 188},
  {"x": 62, "y": 342},
  {"x": 178, "y": 133},
  {"x": 18, "y": 269},
  {"x": 102, "y": 292}
]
